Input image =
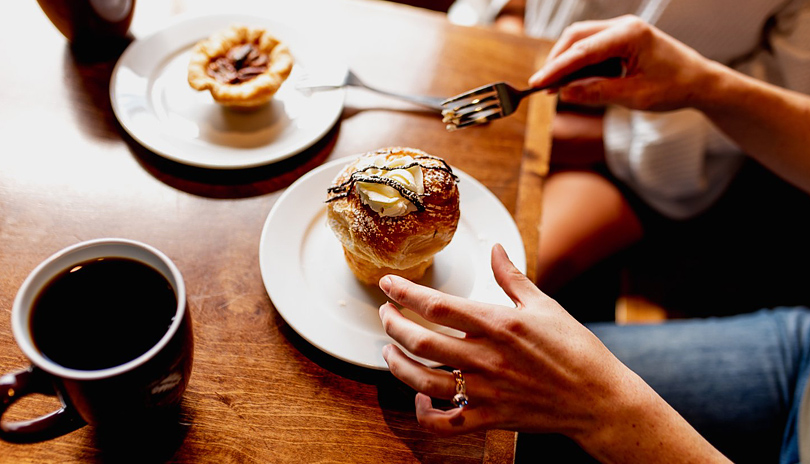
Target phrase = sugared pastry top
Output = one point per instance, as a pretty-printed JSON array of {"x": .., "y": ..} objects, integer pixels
[{"x": 241, "y": 66}]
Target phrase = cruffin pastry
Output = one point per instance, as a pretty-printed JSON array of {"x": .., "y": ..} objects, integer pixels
[{"x": 404, "y": 243}]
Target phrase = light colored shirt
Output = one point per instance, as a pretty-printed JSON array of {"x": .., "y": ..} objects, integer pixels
[{"x": 678, "y": 162}]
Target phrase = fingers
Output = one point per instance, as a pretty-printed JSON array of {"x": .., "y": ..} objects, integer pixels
[
  {"x": 447, "y": 310},
  {"x": 591, "y": 50},
  {"x": 516, "y": 285},
  {"x": 576, "y": 32},
  {"x": 589, "y": 43},
  {"x": 432, "y": 382},
  {"x": 424, "y": 342},
  {"x": 450, "y": 422},
  {"x": 624, "y": 92},
  {"x": 437, "y": 383}
]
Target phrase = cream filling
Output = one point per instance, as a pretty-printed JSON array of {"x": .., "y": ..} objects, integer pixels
[{"x": 386, "y": 200}]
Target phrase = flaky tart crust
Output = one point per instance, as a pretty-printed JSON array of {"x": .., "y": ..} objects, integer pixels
[
  {"x": 376, "y": 245},
  {"x": 251, "y": 93}
]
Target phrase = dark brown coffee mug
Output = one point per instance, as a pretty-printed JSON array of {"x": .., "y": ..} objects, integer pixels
[
  {"x": 137, "y": 389},
  {"x": 90, "y": 22}
]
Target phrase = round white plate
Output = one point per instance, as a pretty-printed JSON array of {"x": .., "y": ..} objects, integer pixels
[
  {"x": 153, "y": 101},
  {"x": 311, "y": 286}
]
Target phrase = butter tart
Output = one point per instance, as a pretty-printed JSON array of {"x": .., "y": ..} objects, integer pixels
[
  {"x": 243, "y": 67},
  {"x": 393, "y": 209}
]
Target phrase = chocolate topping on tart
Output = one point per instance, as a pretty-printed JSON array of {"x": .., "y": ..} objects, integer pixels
[{"x": 240, "y": 64}]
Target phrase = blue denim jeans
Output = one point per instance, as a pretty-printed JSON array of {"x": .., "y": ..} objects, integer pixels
[{"x": 738, "y": 380}]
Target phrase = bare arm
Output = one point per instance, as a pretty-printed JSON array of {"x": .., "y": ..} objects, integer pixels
[
  {"x": 769, "y": 123},
  {"x": 531, "y": 368}
]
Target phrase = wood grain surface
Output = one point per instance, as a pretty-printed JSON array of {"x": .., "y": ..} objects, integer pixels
[
  {"x": 258, "y": 391},
  {"x": 533, "y": 171}
]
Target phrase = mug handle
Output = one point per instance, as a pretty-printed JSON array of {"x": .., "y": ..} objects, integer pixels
[{"x": 25, "y": 382}]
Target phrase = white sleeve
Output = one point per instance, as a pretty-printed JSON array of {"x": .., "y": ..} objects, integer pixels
[
  {"x": 790, "y": 46},
  {"x": 663, "y": 157},
  {"x": 679, "y": 162}
]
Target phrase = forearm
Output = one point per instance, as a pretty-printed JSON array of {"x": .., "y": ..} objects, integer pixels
[
  {"x": 768, "y": 123},
  {"x": 639, "y": 426}
]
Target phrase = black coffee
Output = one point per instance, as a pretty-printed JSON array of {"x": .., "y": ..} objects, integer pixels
[{"x": 102, "y": 313}]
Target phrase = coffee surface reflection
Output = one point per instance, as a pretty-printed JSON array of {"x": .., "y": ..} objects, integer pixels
[{"x": 102, "y": 313}]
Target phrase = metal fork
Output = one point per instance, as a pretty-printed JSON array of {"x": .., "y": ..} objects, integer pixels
[
  {"x": 351, "y": 78},
  {"x": 500, "y": 99}
]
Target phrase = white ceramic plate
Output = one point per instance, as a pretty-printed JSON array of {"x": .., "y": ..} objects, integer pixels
[
  {"x": 311, "y": 286},
  {"x": 153, "y": 101}
]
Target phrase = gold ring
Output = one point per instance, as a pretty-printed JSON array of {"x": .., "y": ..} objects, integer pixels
[{"x": 460, "y": 398}]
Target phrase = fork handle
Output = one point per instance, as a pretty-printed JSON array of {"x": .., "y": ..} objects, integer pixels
[{"x": 612, "y": 67}]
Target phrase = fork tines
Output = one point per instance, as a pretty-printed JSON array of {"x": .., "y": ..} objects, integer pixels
[{"x": 474, "y": 107}]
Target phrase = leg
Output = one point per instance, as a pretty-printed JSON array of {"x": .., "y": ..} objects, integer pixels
[
  {"x": 585, "y": 220},
  {"x": 737, "y": 380}
]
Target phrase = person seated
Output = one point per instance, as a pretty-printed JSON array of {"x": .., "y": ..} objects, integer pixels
[
  {"x": 700, "y": 390},
  {"x": 621, "y": 175}
]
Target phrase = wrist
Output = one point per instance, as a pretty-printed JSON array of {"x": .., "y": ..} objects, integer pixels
[
  {"x": 618, "y": 418},
  {"x": 634, "y": 424},
  {"x": 718, "y": 89}
]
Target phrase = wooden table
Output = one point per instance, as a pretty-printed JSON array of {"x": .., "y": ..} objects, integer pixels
[{"x": 258, "y": 393}]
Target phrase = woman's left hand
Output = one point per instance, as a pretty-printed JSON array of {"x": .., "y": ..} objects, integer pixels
[{"x": 532, "y": 367}]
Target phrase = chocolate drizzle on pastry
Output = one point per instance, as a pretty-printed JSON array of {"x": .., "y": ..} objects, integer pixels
[{"x": 344, "y": 189}]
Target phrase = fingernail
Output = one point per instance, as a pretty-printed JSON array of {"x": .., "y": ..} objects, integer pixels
[
  {"x": 537, "y": 77},
  {"x": 385, "y": 284},
  {"x": 385, "y": 350},
  {"x": 498, "y": 249}
]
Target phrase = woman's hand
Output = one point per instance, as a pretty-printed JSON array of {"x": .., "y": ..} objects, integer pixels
[
  {"x": 532, "y": 368},
  {"x": 660, "y": 73},
  {"x": 767, "y": 122}
]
